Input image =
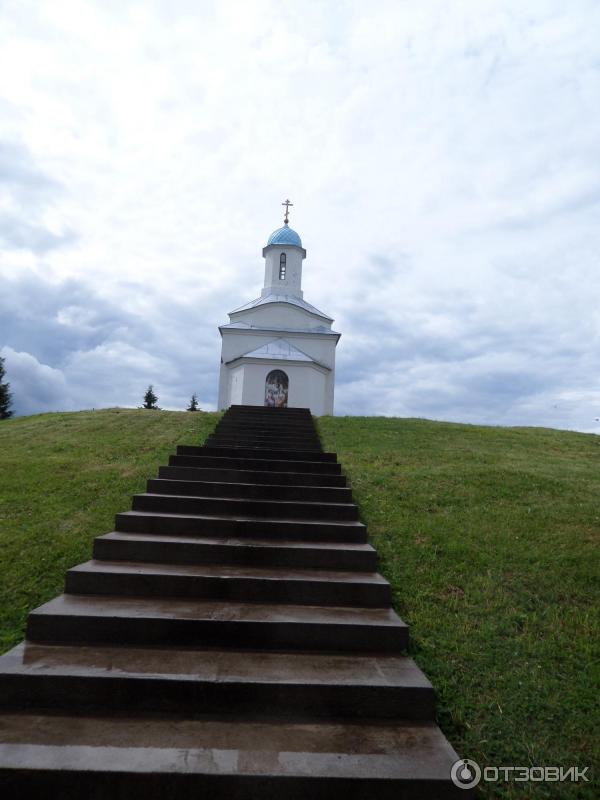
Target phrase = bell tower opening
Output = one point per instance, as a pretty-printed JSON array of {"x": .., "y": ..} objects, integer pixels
[{"x": 276, "y": 389}]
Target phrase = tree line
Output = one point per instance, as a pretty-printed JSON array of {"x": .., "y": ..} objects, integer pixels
[
  {"x": 5, "y": 394},
  {"x": 150, "y": 398},
  {"x": 151, "y": 401}
]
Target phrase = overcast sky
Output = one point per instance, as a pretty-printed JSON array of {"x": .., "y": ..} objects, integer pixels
[{"x": 444, "y": 164}]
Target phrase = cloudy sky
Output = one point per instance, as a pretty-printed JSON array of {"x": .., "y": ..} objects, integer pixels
[{"x": 444, "y": 163}]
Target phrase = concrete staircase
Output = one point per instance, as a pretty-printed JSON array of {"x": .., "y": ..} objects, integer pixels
[{"x": 231, "y": 638}]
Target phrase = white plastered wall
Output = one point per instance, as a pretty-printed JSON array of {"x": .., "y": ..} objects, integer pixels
[{"x": 308, "y": 385}]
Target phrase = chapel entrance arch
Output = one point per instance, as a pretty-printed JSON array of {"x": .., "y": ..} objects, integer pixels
[{"x": 276, "y": 389}]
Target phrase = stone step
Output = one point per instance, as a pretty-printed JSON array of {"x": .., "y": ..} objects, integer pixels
[
  {"x": 193, "y": 682},
  {"x": 275, "y": 437},
  {"x": 257, "y": 444},
  {"x": 267, "y": 440},
  {"x": 256, "y": 423},
  {"x": 267, "y": 478},
  {"x": 267, "y": 426},
  {"x": 268, "y": 420},
  {"x": 96, "y": 757},
  {"x": 284, "y": 429},
  {"x": 222, "y": 550},
  {"x": 254, "y": 452},
  {"x": 263, "y": 442},
  {"x": 244, "y": 410},
  {"x": 262, "y": 463},
  {"x": 257, "y": 491},
  {"x": 236, "y": 584},
  {"x": 71, "y": 618},
  {"x": 252, "y": 423},
  {"x": 189, "y": 525},
  {"x": 244, "y": 507},
  {"x": 288, "y": 416}
]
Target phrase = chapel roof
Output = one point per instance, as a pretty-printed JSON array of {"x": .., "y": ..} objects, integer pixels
[
  {"x": 282, "y": 298},
  {"x": 285, "y": 235}
]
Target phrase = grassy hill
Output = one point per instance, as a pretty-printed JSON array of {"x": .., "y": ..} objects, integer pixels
[
  {"x": 63, "y": 478},
  {"x": 489, "y": 537}
]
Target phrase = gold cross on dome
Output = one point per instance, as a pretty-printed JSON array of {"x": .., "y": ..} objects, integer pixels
[{"x": 287, "y": 205}]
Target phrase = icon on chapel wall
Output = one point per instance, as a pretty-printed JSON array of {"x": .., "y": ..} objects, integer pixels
[{"x": 276, "y": 389}]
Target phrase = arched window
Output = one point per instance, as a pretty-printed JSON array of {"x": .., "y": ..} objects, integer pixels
[
  {"x": 282, "y": 266},
  {"x": 276, "y": 389}
]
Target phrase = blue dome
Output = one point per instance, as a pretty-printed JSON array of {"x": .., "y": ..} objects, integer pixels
[{"x": 285, "y": 235}]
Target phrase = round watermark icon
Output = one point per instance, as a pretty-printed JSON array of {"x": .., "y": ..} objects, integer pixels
[{"x": 465, "y": 773}]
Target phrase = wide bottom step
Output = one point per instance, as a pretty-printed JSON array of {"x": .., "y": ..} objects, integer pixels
[{"x": 100, "y": 757}]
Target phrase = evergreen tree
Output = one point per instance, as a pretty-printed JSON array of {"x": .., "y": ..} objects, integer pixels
[
  {"x": 193, "y": 406},
  {"x": 5, "y": 395},
  {"x": 150, "y": 398}
]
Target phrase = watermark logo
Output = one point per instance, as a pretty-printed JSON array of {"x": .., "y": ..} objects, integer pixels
[{"x": 466, "y": 774}]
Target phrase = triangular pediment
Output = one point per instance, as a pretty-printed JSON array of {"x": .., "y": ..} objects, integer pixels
[{"x": 278, "y": 350}]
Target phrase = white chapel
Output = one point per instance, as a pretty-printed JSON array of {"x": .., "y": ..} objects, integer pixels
[{"x": 278, "y": 350}]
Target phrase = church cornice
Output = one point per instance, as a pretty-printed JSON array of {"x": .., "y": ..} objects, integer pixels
[
  {"x": 296, "y": 333},
  {"x": 283, "y": 361},
  {"x": 283, "y": 246}
]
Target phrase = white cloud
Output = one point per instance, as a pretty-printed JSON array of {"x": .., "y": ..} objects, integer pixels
[{"x": 37, "y": 386}]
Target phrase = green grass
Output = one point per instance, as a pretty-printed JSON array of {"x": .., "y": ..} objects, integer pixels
[{"x": 489, "y": 537}]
